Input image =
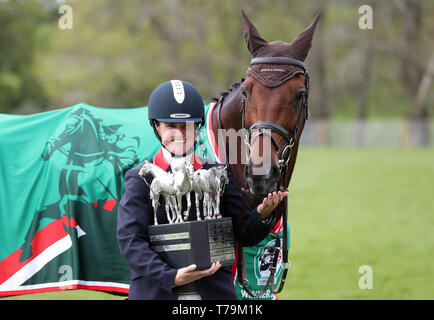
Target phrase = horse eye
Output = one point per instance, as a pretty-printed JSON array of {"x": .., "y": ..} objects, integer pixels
[{"x": 299, "y": 97}]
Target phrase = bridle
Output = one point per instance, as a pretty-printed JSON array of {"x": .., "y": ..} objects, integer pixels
[
  {"x": 284, "y": 157},
  {"x": 266, "y": 127}
]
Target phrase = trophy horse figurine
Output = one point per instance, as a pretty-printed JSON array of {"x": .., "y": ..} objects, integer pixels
[{"x": 207, "y": 184}]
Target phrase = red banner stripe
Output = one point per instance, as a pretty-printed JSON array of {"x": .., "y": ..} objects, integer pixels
[{"x": 42, "y": 240}]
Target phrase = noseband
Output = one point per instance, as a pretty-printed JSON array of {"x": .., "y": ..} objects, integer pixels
[{"x": 266, "y": 127}]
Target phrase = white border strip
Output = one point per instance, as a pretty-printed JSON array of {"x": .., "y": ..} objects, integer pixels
[
  {"x": 34, "y": 266},
  {"x": 208, "y": 130},
  {"x": 64, "y": 285}
]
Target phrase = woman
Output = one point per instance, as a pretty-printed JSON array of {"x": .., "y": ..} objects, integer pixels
[{"x": 175, "y": 112}]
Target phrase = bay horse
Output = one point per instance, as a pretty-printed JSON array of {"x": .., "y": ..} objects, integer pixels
[{"x": 269, "y": 105}]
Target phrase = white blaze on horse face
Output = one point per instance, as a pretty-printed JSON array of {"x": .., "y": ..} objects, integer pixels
[{"x": 178, "y": 90}]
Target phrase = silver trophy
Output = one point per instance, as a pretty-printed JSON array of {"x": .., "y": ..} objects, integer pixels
[
  {"x": 207, "y": 184},
  {"x": 183, "y": 242},
  {"x": 172, "y": 186}
]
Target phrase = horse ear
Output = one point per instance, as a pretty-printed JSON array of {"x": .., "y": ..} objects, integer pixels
[
  {"x": 301, "y": 45},
  {"x": 253, "y": 38}
]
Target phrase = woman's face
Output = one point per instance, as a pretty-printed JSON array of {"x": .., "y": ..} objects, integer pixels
[{"x": 177, "y": 137}]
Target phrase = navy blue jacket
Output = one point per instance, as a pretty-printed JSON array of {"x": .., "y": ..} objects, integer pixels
[{"x": 151, "y": 278}]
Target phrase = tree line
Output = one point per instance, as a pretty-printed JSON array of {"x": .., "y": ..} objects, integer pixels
[{"x": 118, "y": 51}]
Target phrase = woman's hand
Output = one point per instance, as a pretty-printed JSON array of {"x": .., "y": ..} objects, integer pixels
[
  {"x": 270, "y": 203},
  {"x": 189, "y": 273}
]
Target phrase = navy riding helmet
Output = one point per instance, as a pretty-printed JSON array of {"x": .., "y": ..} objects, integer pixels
[{"x": 175, "y": 101}]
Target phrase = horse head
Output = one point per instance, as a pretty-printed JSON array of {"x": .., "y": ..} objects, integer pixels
[
  {"x": 80, "y": 126},
  {"x": 223, "y": 177},
  {"x": 184, "y": 175},
  {"x": 145, "y": 169},
  {"x": 221, "y": 174},
  {"x": 188, "y": 168},
  {"x": 274, "y": 107}
]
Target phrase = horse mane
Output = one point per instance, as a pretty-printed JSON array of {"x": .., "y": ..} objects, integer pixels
[{"x": 234, "y": 86}]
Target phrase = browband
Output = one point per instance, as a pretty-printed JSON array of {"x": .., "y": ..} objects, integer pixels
[{"x": 278, "y": 60}]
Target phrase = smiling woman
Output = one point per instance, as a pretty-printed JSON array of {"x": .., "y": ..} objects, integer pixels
[
  {"x": 175, "y": 112},
  {"x": 177, "y": 138}
]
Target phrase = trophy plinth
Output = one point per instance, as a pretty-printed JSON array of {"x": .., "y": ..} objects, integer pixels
[{"x": 194, "y": 242}]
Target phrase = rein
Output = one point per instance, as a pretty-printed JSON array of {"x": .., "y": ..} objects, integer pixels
[{"x": 285, "y": 152}]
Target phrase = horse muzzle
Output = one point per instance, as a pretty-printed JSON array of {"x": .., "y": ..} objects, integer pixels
[{"x": 261, "y": 180}]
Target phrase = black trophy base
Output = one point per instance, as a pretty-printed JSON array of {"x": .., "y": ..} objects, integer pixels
[{"x": 195, "y": 242}]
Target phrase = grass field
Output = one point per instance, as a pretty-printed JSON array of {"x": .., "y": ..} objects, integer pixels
[
  {"x": 362, "y": 207},
  {"x": 354, "y": 207}
]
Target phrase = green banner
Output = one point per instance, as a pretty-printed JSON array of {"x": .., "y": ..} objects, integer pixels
[{"x": 61, "y": 179}]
